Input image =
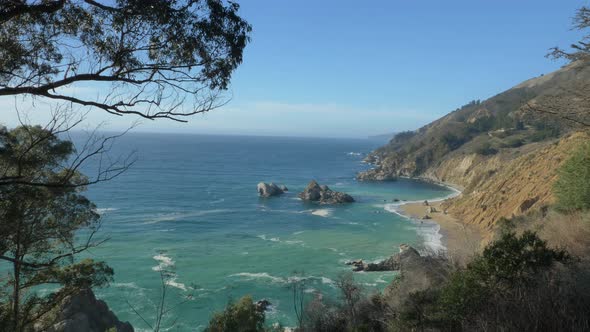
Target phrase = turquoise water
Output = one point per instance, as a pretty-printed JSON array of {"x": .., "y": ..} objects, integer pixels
[{"x": 190, "y": 206}]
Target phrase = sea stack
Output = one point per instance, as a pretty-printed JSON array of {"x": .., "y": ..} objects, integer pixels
[
  {"x": 269, "y": 189},
  {"x": 323, "y": 195}
]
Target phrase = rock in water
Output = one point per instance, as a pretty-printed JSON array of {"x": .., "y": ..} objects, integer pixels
[
  {"x": 284, "y": 188},
  {"x": 323, "y": 195},
  {"x": 82, "y": 312},
  {"x": 262, "y": 305},
  {"x": 269, "y": 189},
  {"x": 406, "y": 256}
]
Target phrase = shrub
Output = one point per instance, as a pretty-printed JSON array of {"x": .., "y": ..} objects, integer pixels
[
  {"x": 240, "y": 316},
  {"x": 485, "y": 149},
  {"x": 504, "y": 275},
  {"x": 513, "y": 142},
  {"x": 572, "y": 188}
]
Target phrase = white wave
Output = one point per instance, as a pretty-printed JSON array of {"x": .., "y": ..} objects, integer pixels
[
  {"x": 131, "y": 285},
  {"x": 297, "y": 233},
  {"x": 272, "y": 239},
  {"x": 354, "y": 154},
  {"x": 165, "y": 262},
  {"x": 104, "y": 210},
  {"x": 177, "y": 215},
  {"x": 173, "y": 283},
  {"x": 327, "y": 281},
  {"x": 293, "y": 242},
  {"x": 428, "y": 230},
  {"x": 217, "y": 201},
  {"x": 322, "y": 212},
  {"x": 380, "y": 281},
  {"x": 248, "y": 276},
  {"x": 262, "y": 275}
]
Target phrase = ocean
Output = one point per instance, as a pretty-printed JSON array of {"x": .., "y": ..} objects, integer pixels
[{"x": 189, "y": 206}]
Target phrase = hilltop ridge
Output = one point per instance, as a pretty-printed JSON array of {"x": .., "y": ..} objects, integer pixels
[{"x": 501, "y": 152}]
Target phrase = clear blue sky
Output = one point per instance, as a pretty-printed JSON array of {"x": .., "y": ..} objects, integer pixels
[{"x": 358, "y": 68}]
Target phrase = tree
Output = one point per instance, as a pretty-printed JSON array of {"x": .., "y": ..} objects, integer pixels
[
  {"x": 572, "y": 187},
  {"x": 148, "y": 56},
  {"x": 580, "y": 51},
  {"x": 240, "y": 316},
  {"x": 571, "y": 104},
  {"x": 498, "y": 278},
  {"x": 44, "y": 228}
]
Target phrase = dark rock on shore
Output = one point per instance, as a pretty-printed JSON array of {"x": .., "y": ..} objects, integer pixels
[
  {"x": 82, "y": 312},
  {"x": 324, "y": 195},
  {"x": 393, "y": 263},
  {"x": 270, "y": 189}
]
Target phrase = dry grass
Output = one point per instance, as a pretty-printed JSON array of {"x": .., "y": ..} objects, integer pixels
[{"x": 570, "y": 231}]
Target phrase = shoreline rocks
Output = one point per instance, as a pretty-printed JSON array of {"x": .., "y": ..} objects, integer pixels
[
  {"x": 270, "y": 189},
  {"x": 323, "y": 195},
  {"x": 394, "y": 263},
  {"x": 81, "y": 312}
]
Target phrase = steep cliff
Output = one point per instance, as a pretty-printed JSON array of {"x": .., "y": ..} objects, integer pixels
[{"x": 501, "y": 152}]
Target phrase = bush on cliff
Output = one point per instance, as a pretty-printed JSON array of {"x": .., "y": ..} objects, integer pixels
[
  {"x": 497, "y": 284},
  {"x": 240, "y": 316},
  {"x": 572, "y": 188},
  {"x": 518, "y": 283}
]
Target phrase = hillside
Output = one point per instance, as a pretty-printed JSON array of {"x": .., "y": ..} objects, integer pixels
[{"x": 501, "y": 151}]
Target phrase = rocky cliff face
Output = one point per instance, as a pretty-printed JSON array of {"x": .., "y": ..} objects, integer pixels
[
  {"x": 503, "y": 155},
  {"x": 507, "y": 120},
  {"x": 501, "y": 186},
  {"x": 82, "y": 312}
]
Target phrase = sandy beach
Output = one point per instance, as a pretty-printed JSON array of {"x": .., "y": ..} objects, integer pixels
[{"x": 461, "y": 240}]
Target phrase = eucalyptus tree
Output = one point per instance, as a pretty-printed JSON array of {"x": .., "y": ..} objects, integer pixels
[
  {"x": 44, "y": 228},
  {"x": 152, "y": 58}
]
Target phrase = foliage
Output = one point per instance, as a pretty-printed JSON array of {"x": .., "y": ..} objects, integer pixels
[
  {"x": 506, "y": 268},
  {"x": 581, "y": 50},
  {"x": 240, "y": 316},
  {"x": 38, "y": 224},
  {"x": 485, "y": 149},
  {"x": 515, "y": 284},
  {"x": 148, "y": 57},
  {"x": 572, "y": 187}
]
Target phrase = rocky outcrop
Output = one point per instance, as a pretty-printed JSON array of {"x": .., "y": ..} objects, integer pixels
[
  {"x": 82, "y": 312},
  {"x": 380, "y": 173},
  {"x": 406, "y": 255},
  {"x": 270, "y": 189},
  {"x": 323, "y": 195},
  {"x": 262, "y": 305},
  {"x": 416, "y": 274}
]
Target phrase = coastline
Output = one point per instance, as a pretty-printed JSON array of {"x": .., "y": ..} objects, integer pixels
[{"x": 442, "y": 232}]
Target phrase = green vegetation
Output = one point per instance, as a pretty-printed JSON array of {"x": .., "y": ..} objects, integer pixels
[
  {"x": 240, "y": 316},
  {"x": 572, "y": 187},
  {"x": 518, "y": 283},
  {"x": 157, "y": 55},
  {"x": 41, "y": 210}
]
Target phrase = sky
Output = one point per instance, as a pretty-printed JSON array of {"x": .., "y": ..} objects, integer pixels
[{"x": 342, "y": 68}]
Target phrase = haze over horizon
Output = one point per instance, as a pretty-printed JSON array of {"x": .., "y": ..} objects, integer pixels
[{"x": 338, "y": 70}]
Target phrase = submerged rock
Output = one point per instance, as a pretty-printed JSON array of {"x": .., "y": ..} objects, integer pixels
[
  {"x": 270, "y": 189},
  {"x": 324, "y": 195}
]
